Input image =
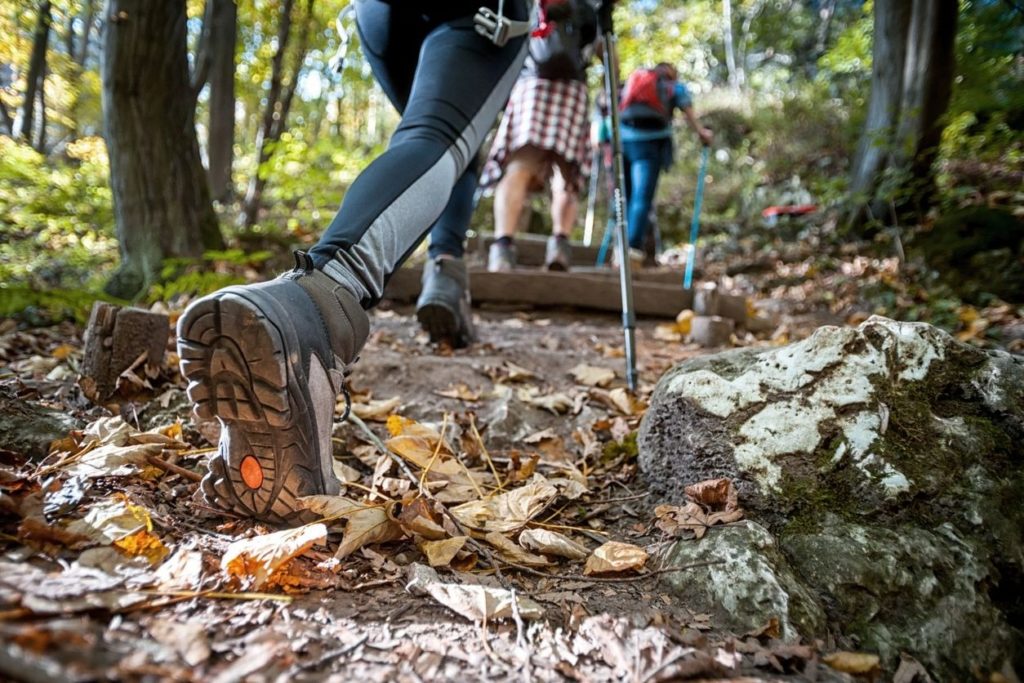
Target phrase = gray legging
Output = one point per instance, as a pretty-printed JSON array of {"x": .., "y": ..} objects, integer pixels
[{"x": 459, "y": 83}]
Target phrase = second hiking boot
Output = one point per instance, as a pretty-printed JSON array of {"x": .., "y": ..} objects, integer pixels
[
  {"x": 443, "y": 308},
  {"x": 558, "y": 253},
  {"x": 501, "y": 257},
  {"x": 268, "y": 360}
]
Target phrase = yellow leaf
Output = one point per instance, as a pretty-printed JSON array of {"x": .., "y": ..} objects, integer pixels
[
  {"x": 461, "y": 392},
  {"x": 684, "y": 321},
  {"x": 143, "y": 543},
  {"x": 62, "y": 351},
  {"x": 614, "y": 556},
  {"x": 855, "y": 663},
  {"x": 256, "y": 562},
  {"x": 668, "y": 333},
  {"x": 441, "y": 553}
]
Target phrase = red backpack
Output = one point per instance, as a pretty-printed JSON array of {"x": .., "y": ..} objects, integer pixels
[{"x": 647, "y": 99}]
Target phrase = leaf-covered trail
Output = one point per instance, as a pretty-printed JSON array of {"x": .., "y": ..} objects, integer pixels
[{"x": 544, "y": 393}]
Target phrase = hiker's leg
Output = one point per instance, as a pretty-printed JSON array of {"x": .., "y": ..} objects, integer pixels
[
  {"x": 643, "y": 182},
  {"x": 394, "y": 201},
  {"x": 564, "y": 204},
  {"x": 448, "y": 234},
  {"x": 519, "y": 175}
]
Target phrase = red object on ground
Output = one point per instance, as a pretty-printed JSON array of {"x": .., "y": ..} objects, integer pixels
[{"x": 792, "y": 210}]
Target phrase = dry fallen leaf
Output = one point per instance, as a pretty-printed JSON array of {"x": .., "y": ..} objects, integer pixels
[
  {"x": 614, "y": 556},
  {"x": 475, "y": 602},
  {"x": 552, "y": 543},
  {"x": 592, "y": 375},
  {"x": 459, "y": 391},
  {"x": 375, "y": 410},
  {"x": 508, "y": 511},
  {"x": 854, "y": 663},
  {"x": 255, "y": 562},
  {"x": 187, "y": 639},
  {"x": 365, "y": 523},
  {"x": 717, "y": 494},
  {"x": 441, "y": 553},
  {"x": 558, "y": 402},
  {"x": 618, "y": 399},
  {"x": 111, "y": 520},
  {"x": 512, "y": 553},
  {"x": 667, "y": 333}
]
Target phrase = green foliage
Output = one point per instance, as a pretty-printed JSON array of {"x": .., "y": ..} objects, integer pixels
[{"x": 56, "y": 220}]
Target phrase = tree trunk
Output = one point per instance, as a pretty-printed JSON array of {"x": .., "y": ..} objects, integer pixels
[
  {"x": 36, "y": 68},
  {"x": 892, "y": 21},
  {"x": 40, "y": 143},
  {"x": 279, "y": 100},
  {"x": 912, "y": 76},
  {"x": 220, "y": 149},
  {"x": 927, "y": 87},
  {"x": 161, "y": 200}
]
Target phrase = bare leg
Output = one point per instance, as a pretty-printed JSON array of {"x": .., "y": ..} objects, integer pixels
[
  {"x": 565, "y": 205},
  {"x": 510, "y": 196}
]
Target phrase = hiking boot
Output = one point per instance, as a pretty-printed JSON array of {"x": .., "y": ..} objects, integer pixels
[
  {"x": 443, "y": 308},
  {"x": 558, "y": 253},
  {"x": 268, "y": 361},
  {"x": 501, "y": 258}
]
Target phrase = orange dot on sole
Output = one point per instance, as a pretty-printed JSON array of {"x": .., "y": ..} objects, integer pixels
[{"x": 252, "y": 472}]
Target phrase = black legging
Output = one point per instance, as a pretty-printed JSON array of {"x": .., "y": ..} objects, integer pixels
[{"x": 456, "y": 83}]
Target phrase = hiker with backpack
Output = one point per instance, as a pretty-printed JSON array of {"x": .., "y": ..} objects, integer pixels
[
  {"x": 543, "y": 135},
  {"x": 647, "y": 106},
  {"x": 270, "y": 359}
]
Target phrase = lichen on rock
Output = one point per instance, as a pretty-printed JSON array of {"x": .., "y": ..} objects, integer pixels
[{"x": 874, "y": 434}]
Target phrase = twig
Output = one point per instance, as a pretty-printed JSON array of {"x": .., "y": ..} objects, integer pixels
[
  {"x": 518, "y": 618},
  {"x": 334, "y": 654},
  {"x": 483, "y": 449},
  {"x": 622, "y": 499},
  {"x": 437, "y": 451},
  {"x": 425, "y": 492},
  {"x": 615, "y": 579},
  {"x": 157, "y": 461}
]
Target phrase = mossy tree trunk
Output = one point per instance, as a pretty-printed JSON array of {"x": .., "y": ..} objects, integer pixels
[{"x": 161, "y": 198}]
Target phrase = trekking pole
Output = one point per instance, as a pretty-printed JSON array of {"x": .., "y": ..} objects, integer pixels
[
  {"x": 611, "y": 84},
  {"x": 595, "y": 176},
  {"x": 695, "y": 223}
]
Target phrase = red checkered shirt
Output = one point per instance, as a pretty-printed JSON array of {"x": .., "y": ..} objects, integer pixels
[{"x": 549, "y": 115}]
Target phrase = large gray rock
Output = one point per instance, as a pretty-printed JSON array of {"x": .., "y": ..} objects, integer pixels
[{"x": 886, "y": 461}]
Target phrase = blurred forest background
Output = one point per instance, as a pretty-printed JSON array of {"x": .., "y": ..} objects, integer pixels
[{"x": 903, "y": 122}]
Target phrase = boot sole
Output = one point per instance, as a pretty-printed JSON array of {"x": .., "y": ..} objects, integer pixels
[
  {"x": 234, "y": 358},
  {"x": 441, "y": 324}
]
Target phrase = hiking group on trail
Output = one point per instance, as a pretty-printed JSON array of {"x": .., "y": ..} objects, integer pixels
[{"x": 270, "y": 359}]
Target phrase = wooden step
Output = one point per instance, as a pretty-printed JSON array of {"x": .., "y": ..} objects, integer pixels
[{"x": 547, "y": 289}]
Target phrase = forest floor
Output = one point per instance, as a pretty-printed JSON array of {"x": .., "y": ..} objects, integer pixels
[{"x": 110, "y": 568}]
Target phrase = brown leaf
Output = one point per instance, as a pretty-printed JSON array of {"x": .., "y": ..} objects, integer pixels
[
  {"x": 910, "y": 671},
  {"x": 717, "y": 494},
  {"x": 512, "y": 553},
  {"x": 441, "y": 553},
  {"x": 619, "y": 400},
  {"x": 614, "y": 556}
]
